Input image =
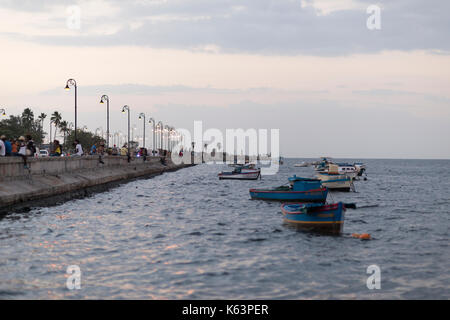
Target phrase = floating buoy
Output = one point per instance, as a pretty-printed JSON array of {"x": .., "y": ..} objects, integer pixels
[{"x": 364, "y": 236}]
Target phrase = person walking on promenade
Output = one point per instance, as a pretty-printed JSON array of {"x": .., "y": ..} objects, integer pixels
[{"x": 8, "y": 146}]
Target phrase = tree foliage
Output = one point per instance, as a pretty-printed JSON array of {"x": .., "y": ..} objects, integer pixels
[{"x": 21, "y": 125}]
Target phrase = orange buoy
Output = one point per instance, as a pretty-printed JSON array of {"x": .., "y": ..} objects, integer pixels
[
  {"x": 355, "y": 235},
  {"x": 365, "y": 236}
]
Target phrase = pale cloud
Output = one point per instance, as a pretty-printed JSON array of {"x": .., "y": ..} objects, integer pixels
[
  {"x": 325, "y": 7},
  {"x": 287, "y": 27}
]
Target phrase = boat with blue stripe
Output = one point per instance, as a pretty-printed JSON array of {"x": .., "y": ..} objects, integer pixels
[
  {"x": 299, "y": 189},
  {"x": 313, "y": 216}
]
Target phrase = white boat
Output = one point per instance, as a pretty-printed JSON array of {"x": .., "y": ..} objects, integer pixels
[
  {"x": 344, "y": 168},
  {"x": 338, "y": 182}
]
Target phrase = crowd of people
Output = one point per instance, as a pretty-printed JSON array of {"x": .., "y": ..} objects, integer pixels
[
  {"x": 24, "y": 147},
  {"x": 21, "y": 147}
]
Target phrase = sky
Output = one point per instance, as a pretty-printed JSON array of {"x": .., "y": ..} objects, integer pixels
[{"x": 333, "y": 83}]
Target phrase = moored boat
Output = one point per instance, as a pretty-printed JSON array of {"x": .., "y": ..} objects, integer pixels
[
  {"x": 302, "y": 164},
  {"x": 247, "y": 172},
  {"x": 337, "y": 182},
  {"x": 323, "y": 217},
  {"x": 299, "y": 189},
  {"x": 360, "y": 168}
]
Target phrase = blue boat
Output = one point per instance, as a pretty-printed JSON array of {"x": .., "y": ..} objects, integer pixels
[
  {"x": 299, "y": 189},
  {"x": 317, "y": 217}
]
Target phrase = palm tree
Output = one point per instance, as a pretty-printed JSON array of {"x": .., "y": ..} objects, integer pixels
[
  {"x": 56, "y": 119},
  {"x": 64, "y": 128},
  {"x": 41, "y": 117},
  {"x": 27, "y": 115}
]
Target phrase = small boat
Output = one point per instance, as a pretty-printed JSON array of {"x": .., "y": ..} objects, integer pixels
[
  {"x": 243, "y": 172},
  {"x": 337, "y": 182},
  {"x": 299, "y": 189},
  {"x": 360, "y": 168},
  {"x": 302, "y": 164},
  {"x": 312, "y": 216}
]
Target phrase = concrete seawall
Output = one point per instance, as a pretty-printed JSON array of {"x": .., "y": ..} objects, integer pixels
[{"x": 61, "y": 178}]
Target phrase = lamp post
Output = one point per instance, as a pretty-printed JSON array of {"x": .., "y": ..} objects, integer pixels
[
  {"x": 153, "y": 134},
  {"x": 127, "y": 108},
  {"x": 97, "y": 130},
  {"x": 72, "y": 82},
  {"x": 142, "y": 116},
  {"x": 160, "y": 128},
  {"x": 167, "y": 129},
  {"x": 102, "y": 100}
]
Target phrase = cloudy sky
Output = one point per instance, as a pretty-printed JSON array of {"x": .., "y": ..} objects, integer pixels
[{"x": 311, "y": 68}]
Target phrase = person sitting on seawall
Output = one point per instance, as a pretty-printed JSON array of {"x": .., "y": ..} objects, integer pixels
[
  {"x": 15, "y": 148},
  {"x": 93, "y": 149},
  {"x": 115, "y": 151},
  {"x": 26, "y": 149},
  {"x": 78, "y": 148},
  {"x": 31, "y": 148},
  {"x": 2, "y": 148},
  {"x": 124, "y": 150},
  {"x": 8, "y": 146},
  {"x": 56, "y": 149}
]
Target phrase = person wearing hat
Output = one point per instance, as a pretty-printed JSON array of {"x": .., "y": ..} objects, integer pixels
[
  {"x": 8, "y": 146},
  {"x": 23, "y": 151}
]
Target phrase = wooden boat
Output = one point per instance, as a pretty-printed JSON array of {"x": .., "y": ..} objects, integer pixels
[
  {"x": 243, "y": 172},
  {"x": 337, "y": 182},
  {"x": 311, "y": 216},
  {"x": 299, "y": 189}
]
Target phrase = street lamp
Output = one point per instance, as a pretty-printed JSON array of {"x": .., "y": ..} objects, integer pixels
[
  {"x": 72, "y": 82},
  {"x": 127, "y": 108},
  {"x": 102, "y": 100},
  {"x": 167, "y": 129},
  {"x": 153, "y": 134},
  {"x": 160, "y": 130},
  {"x": 3, "y": 112},
  {"x": 142, "y": 116},
  {"x": 97, "y": 130}
]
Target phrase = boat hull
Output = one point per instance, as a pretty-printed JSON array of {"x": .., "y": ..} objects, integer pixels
[
  {"x": 316, "y": 195},
  {"x": 326, "y": 218}
]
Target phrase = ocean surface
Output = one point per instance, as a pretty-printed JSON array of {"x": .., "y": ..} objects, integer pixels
[{"x": 187, "y": 235}]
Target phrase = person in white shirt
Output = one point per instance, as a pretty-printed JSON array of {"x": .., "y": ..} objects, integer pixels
[
  {"x": 2, "y": 149},
  {"x": 78, "y": 148}
]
